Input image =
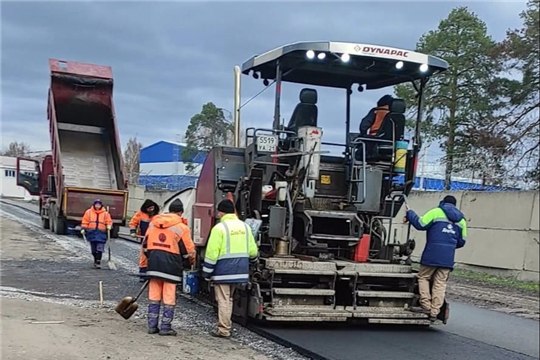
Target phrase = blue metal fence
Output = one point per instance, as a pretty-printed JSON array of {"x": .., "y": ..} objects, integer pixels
[
  {"x": 170, "y": 183},
  {"x": 434, "y": 184}
]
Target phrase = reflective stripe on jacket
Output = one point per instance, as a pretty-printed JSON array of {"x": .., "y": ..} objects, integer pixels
[
  {"x": 96, "y": 219},
  {"x": 167, "y": 244},
  {"x": 230, "y": 247},
  {"x": 446, "y": 231}
]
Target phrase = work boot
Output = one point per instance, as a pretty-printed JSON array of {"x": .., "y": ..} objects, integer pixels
[
  {"x": 419, "y": 309},
  {"x": 153, "y": 317},
  {"x": 166, "y": 320},
  {"x": 97, "y": 262},
  {"x": 216, "y": 333}
]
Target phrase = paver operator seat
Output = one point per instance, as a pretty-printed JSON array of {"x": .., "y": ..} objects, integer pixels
[{"x": 305, "y": 112}]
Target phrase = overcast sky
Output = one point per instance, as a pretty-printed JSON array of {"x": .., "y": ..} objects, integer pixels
[{"x": 170, "y": 58}]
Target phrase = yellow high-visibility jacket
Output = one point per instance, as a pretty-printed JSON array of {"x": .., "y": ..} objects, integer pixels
[{"x": 230, "y": 248}]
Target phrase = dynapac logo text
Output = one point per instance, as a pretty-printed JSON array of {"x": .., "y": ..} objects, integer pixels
[{"x": 384, "y": 51}]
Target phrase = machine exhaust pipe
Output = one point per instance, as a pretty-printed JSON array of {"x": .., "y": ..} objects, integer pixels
[{"x": 236, "y": 113}]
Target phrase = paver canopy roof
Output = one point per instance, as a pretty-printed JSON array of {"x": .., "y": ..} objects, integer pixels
[{"x": 340, "y": 64}]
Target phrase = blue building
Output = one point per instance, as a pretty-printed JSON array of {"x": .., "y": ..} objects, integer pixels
[{"x": 162, "y": 167}]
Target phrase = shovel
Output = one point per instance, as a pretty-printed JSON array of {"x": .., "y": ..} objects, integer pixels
[
  {"x": 110, "y": 263},
  {"x": 127, "y": 306}
]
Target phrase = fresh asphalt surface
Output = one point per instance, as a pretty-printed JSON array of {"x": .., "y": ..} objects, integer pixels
[{"x": 472, "y": 333}]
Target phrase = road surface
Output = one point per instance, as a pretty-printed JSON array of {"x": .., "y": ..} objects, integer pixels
[{"x": 472, "y": 333}]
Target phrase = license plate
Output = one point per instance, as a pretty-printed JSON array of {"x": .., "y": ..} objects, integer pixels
[{"x": 267, "y": 143}]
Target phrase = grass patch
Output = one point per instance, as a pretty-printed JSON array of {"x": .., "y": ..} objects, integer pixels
[{"x": 489, "y": 279}]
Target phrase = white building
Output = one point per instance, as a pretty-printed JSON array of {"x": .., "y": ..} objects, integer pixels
[{"x": 8, "y": 179}]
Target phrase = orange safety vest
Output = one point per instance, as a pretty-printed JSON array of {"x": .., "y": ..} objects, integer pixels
[
  {"x": 380, "y": 114},
  {"x": 96, "y": 219},
  {"x": 167, "y": 242},
  {"x": 140, "y": 221}
]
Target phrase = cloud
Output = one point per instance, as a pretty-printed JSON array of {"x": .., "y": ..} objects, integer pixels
[{"x": 169, "y": 58}]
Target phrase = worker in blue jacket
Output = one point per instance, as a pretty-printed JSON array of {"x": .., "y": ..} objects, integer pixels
[{"x": 446, "y": 231}]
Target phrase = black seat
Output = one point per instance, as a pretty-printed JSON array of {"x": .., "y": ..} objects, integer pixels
[
  {"x": 394, "y": 122},
  {"x": 305, "y": 112}
]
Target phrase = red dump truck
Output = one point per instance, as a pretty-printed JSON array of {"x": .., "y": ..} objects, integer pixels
[{"x": 86, "y": 161}]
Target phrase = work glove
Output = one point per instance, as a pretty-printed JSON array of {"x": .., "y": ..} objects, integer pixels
[
  {"x": 192, "y": 259},
  {"x": 109, "y": 227},
  {"x": 406, "y": 218},
  {"x": 133, "y": 233},
  {"x": 83, "y": 231},
  {"x": 206, "y": 276}
]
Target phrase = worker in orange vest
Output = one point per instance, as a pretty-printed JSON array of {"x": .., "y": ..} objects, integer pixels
[
  {"x": 372, "y": 122},
  {"x": 167, "y": 245},
  {"x": 95, "y": 223},
  {"x": 137, "y": 227}
]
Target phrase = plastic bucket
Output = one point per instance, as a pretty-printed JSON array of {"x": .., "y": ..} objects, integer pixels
[
  {"x": 190, "y": 282},
  {"x": 401, "y": 156}
]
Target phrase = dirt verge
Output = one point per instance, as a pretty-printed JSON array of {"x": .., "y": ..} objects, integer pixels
[
  {"x": 40, "y": 330},
  {"x": 503, "y": 298}
]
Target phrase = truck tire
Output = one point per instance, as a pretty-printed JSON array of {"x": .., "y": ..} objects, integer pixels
[
  {"x": 61, "y": 226},
  {"x": 45, "y": 223},
  {"x": 115, "y": 231},
  {"x": 52, "y": 219}
]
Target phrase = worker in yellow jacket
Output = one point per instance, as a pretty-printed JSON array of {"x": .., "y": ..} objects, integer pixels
[{"x": 230, "y": 248}]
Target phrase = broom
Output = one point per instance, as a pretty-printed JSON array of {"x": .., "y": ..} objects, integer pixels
[{"x": 110, "y": 262}]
